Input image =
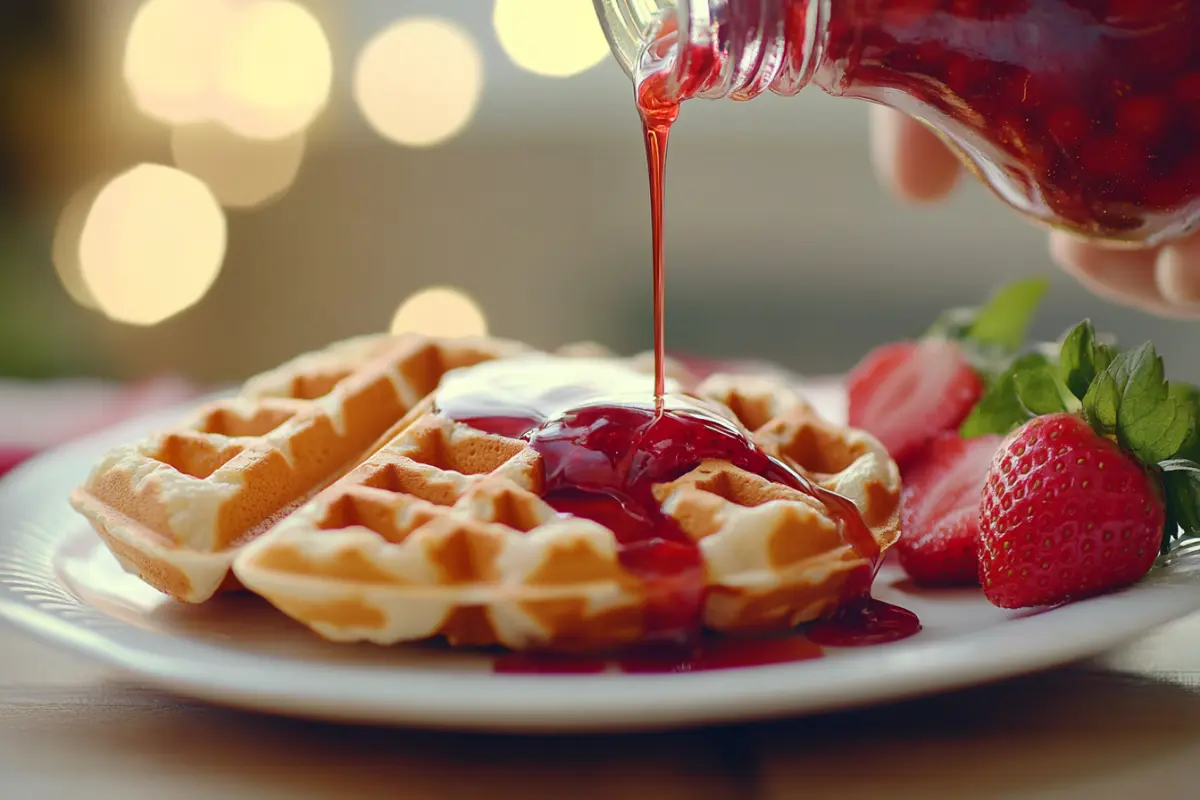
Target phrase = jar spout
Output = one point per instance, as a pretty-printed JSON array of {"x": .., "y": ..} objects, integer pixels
[
  {"x": 716, "y": 49},
  {"x": 627, "y": 25}
]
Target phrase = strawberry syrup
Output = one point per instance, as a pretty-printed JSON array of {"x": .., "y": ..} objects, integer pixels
[
  {"x": 657, "y": 119},
  {"x": 863, "y": 620},
  {"x": 604, "y": 448}
]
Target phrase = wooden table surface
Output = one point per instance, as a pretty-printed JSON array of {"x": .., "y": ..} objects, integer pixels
[{"x": 1125, "y": 726}]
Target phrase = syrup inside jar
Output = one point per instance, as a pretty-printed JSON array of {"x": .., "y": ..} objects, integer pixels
[{"x": 1082, "y": 114}]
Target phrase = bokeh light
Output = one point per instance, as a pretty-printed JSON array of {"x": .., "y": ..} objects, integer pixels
[
  {"x": 152, "y": 245},
  {"x": 242, "y": 173},
  {"x": 418, "y": 82},
  {"x": 168, "y": 55},
  {"x": 273, "y": 70},
  {"x": 555, "y": 38},
  {"x": 263, "y": 68},
  {"x": 68, "y": 231},
  {"x": 440, "y": 311}
]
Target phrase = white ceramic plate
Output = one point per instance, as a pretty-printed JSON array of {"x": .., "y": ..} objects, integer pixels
[{"x": 57, "y": 581}]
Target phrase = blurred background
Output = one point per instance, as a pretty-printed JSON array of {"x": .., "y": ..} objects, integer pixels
[{"x": 206, "y": 187}]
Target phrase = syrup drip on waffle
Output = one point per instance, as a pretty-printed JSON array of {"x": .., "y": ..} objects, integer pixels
[{"x": 605, "y": 442}]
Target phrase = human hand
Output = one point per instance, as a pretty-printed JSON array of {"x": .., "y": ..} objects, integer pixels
[{"x": 916, "y": 165}]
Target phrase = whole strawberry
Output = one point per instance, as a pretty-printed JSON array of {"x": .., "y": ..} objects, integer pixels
[
  {"x": 1065, "y": 514},
  {"x": 1093, "y": 482}
]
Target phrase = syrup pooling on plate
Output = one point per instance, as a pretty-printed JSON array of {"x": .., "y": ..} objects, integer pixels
[
  {"x": 864, "y": 621},
  {"x": 605, "y": 443}
]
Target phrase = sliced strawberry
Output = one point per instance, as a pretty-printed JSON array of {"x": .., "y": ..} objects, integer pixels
[
  {"x": 907, "y": 393},
  {"x": 939, "y": 510}
]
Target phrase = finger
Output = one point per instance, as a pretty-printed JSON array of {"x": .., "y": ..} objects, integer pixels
[
  {"x": 1177, "y": 274},
  {"x": 1126, "y": 277},
  {"x": 909, "y": 158}
]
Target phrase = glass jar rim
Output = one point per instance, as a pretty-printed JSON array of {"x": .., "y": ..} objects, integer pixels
[{"x": 626, "y": 25}]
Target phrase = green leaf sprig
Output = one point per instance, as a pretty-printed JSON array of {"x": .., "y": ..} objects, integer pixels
[{"x": 994, "y": 333}]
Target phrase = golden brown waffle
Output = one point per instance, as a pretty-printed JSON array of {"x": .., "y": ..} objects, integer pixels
[
  {"x": 175, "y": 507},
  {"x": 442, "y": 533}
]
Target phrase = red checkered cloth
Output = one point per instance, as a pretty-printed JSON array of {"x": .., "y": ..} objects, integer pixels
[{"x": 38, "y": 415}]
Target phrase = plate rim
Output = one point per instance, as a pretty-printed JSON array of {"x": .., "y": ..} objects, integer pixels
[{"x": 34, "y": 599}]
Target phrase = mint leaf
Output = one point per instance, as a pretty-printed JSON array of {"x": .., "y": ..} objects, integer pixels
[
  {"x": 1100, "y": 404},
  {"x": 1181, "y": 487},
  {"x": 1150, "y": 422},
  {"x": 993, "y": 333},
  {"x": 953, "y": 323},
  {"x": 1004, "y": 319},
  {"x": 1081, "y": 357},
  {"x": 1104, "y": 354},
  {"x": 1189, "y": 397},
  {"x": 1040, "y": 392},
  {"x": 1131, "y": 398},
  {"x": 1000, "y": 409}
]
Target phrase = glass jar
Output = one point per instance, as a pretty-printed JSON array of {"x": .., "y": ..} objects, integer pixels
[{"x": 1081, "y": 114}]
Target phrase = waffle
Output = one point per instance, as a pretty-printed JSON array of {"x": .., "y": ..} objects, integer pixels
[
  {"x": 442, "y": 533},
  {"x": 175, "y": 507}
]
